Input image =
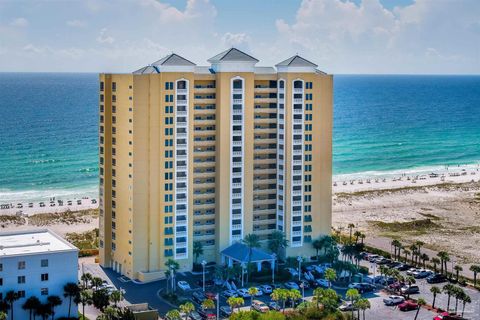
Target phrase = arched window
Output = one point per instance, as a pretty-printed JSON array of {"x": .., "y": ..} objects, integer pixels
[
  {"x": 298, "y": 84},
  {"x": 237, "y": 84},
  {"x": 281, "y": 85},
  {"x": 182, "y": 84}
]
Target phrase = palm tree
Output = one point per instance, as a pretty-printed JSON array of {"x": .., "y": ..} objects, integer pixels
[
  {"x": 475, "y": 269},
  {"x": 448, "y": 289},
  {"x": 396, "y": 246},
  {"x": 187, "y": 308},
  {"x": 351, "y": 226},
  {"x": 277, "y": 242},
  {"x": 457, "y": 269},
  {"x": 252, "y": 291},
  {"x": 10, "y": 298},
  {"x": 280, "y": 295},
  {"x": 317, "y": 245},
  {"x": 435, "y": 262},
  {"x": 294, "y": 295},
  {"x": 444, "y": 258},
  {"x": 424, "y": 257},
  {"x": 419, "y": 245},
  {"x": 208, "y": 304},
  {"x": 86, "y": 278},
  {"x": 3, "y": 315},
  {"x": 352, "y": 295},
  {"x": 458, "y": 293},
  {"x": 54, "y": 301},
  {"x": 197, "y": 250},
  {"x": 318, "y": 294},
  {"x": 71, "y": 291},
  {"x": 96, "y": 282},
  {"x": 251, "y": 241},
  {"x": 235, "y": 302},
  {"x": 414, "y": 249},
  {"x": 435, "y": 290},
  {"x": 406, "y": 252},
  {"x": 363, "y": 304},
  {"x": 31, "y": 304},
  {"x": 44, "y": 310},
  {"x": 173, "y": 315},
  {"x": 85, "y": 298},
  {"x": 330, "y": 275},
  {"x": 357, "y": 235},
  {"x": 116, "y": 297},
  {"x": 410, "y": 280},
  {"x": 420, "y": 302},
  {"x": 465, "y": 299}
]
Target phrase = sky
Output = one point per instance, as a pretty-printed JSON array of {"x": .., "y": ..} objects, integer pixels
[{"x": 341, "y": 36}]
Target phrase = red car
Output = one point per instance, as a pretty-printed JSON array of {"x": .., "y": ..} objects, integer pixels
[
  {"x": 448, "y": 316},
  {"x": 408, "y": 306}
]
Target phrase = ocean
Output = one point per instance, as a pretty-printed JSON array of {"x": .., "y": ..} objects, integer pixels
[{"x": 383, "y": 125}]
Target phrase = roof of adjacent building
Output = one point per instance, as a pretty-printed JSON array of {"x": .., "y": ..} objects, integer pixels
[
  {"x": 173, "y": 60},
  {"x": 233, "y": 54},
  {"x": 32, "y": 242},
  {"x": 296, "y": 61},
  {"x": 240, "y": 252},
  {"x": 146, "y": 70}
]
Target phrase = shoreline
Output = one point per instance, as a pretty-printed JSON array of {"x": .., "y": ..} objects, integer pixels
[{"x": 341, "y": 184}]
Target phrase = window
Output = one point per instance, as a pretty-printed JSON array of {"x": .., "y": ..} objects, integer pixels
[
  {"x": 1, "y": 281},
  {"x": 21, "y": 265},
  {"x": 21, "y": 294},
  {"x": 168, "y": 252},
  {"x": 1, "y": 266},
  {"x": 44, "y": 276},
  {"x": 44, "y": 263},
  {"x": 44, "y": 291},
  {"x": 21, "y": 279},
  {"x": 102, "y": 86}
]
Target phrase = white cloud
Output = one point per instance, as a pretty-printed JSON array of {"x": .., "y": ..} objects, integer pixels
[
  {"x": 76, "y": 23},
  {"x": 240, "y": 40},
  {"x": 19, "y": 22},
  {"x": 104, "y": 38},
  {"x": 343, "y": 36},
  {"x": 195, "y": 9}
]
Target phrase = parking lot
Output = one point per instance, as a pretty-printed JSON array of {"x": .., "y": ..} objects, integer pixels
[{"x": 137, "y": 293}]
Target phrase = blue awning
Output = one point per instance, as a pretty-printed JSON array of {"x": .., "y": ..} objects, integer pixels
[{"x": 240, "y": 252}]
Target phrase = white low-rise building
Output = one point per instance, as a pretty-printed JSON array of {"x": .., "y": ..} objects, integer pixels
[{"x": 37, "y": 263}]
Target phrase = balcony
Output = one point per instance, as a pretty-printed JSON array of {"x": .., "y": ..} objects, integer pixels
[
  {"x": 297, "y": 90},
  {"x": 298, "y": 100},
  {"x": 204, "y": 100},
  {"x": 265, "y": 89},
  {"x": 265, "y": 100},
  {"x": 205, "y": 89},
  {"x": 237, "y": 101}
]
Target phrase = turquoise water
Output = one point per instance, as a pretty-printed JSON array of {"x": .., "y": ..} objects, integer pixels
[{"x": 382, "y": 124}]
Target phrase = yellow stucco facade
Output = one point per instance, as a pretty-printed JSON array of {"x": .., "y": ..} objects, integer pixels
[{"x": 211, "y": 154}]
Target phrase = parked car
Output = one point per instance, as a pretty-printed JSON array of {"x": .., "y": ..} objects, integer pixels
[
  {"x": 372, "y": 257},
  {"x": 412, "y": 289},
  {"x": 226, "y": 311},
  {"x": 259, "y": 306},
  {"x": 274, "y": 306},
  {"x": 411, "y": 271},
  {"x": 436, "y": 278},
  {"x": 291, "y": 285},
  {"x": 393, "y": 300},
  {"x": 423, "y": 273},
  {"x": 198, "y": 297},
  {"x": 243, "y": 293},
  {"x": 184, "y": 285},
  {"x": 402, "y": 267},
  {"x": 347, "y": 306},
  {"x": 396, "y": 286},
  {"x": 207, "y": 314},
  {"x": 323, "y": 283},
  {"x": 266, "y": 289},
  {"x": 211, "y": 295},
  {"x": 408, "y": 306},
  {"x": 293, "y": 272},
  {"x": 305, "y": 284},
  {"x": 448, "y": 316},
  {"x": 229, "y": 293},
  {"x": 194, "y": 315},
  {"x": 362, "y": 287}
]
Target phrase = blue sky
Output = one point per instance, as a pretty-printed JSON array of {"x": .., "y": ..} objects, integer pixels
[{"x": 341, "y": 36}]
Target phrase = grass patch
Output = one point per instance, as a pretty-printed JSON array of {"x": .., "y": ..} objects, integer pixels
[
  {"x": 11, "y": 219},
  {"x": 67, "y": 217},
  {"x": 84, "y": 240},
  {"x": 422, "y": 225}
]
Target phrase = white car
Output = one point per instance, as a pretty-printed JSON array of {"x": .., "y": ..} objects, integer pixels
[
  {"x": 292, "y": 271},
  {"x": 420, "y": 274},
  {"x": 266, "y": 289},
  {"x": 323, "y": 283},
  {"x": 411, "y": 271},
  {"x": 243, "y": 293},
  {"x": 393, "y": 300},
  {"x": 184, "y": 285},
  {"x": 292, "y": 285}
]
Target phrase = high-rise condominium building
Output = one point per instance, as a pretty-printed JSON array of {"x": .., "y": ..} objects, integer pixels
[{"x": 210, "y": 154}]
